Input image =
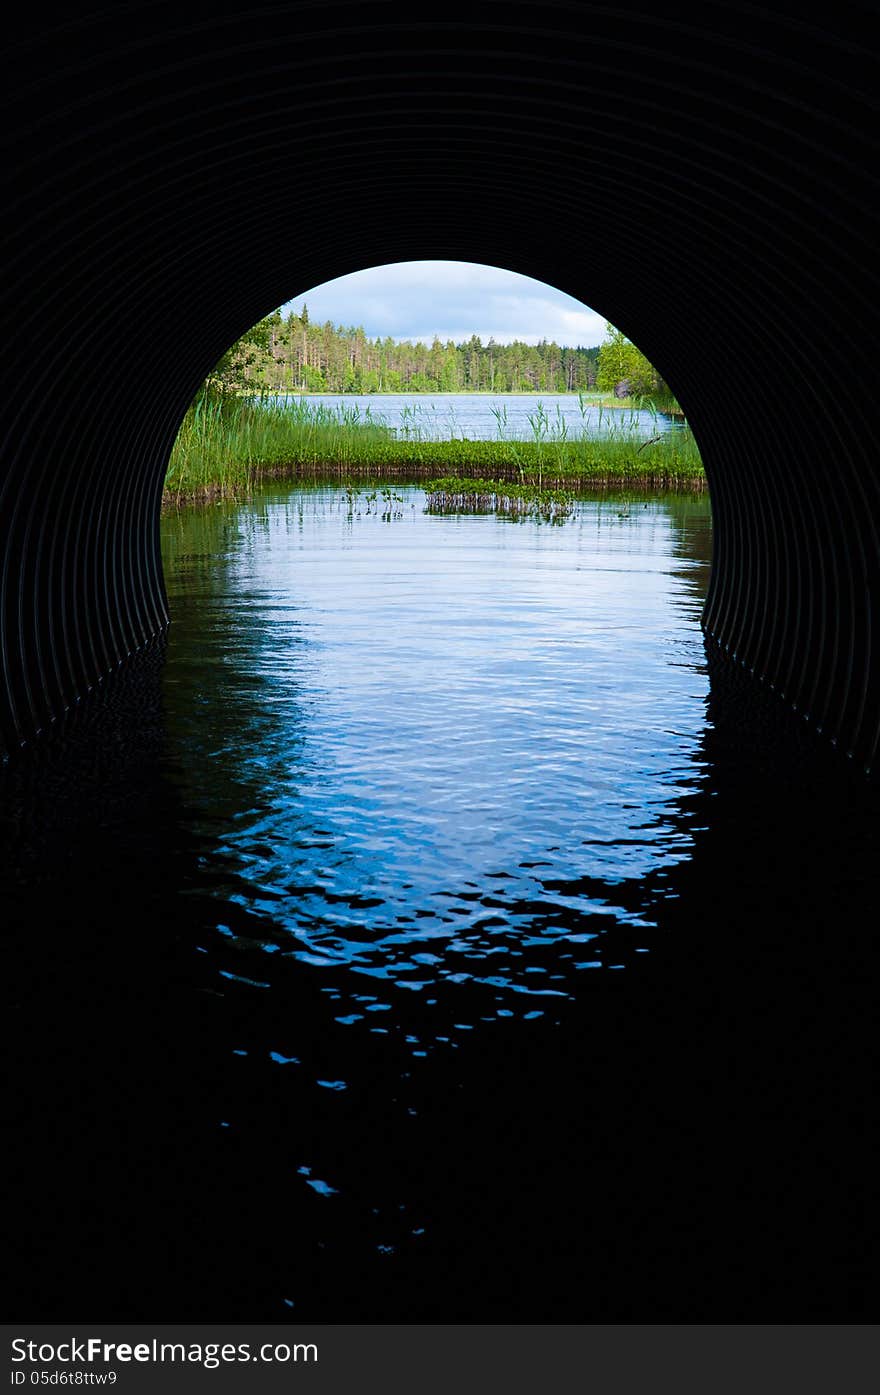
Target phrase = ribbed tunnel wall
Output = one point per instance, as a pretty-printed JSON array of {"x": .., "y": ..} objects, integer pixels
[{"x": 702, "y": 175}]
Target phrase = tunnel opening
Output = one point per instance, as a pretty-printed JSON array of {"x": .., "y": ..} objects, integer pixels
[
  {"x": 525, "y": 372},
  {"x": 496, "y": 535}
]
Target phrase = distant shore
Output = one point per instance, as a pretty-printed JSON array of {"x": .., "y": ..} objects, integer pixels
[{"x": 595, "y": 399}]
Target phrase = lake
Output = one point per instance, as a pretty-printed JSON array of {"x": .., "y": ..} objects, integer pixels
[
  {"x": 514, "y": 416},
  {"x": 451, "y": 743},
  {"x": 435, "y": 928}
]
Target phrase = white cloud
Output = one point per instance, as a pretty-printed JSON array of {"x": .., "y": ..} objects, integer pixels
[{"x": 416, "y": 300}]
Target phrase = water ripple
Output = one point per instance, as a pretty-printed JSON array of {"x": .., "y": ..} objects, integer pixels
[{"x": 436, "y": 754}]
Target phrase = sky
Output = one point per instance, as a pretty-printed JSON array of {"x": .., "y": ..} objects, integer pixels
[{"x": 416, "y": 300}]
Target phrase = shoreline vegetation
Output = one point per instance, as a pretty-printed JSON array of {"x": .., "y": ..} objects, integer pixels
[
  {"x": 295, "y": 353},
  {"x": 231, "y": 441},
  {"x": 456, "y": 495}
]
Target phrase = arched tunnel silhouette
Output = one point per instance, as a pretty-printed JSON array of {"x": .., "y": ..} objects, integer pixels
[
  {"x": 699, "y": 176},
  {"x": 703, "y": 176}
]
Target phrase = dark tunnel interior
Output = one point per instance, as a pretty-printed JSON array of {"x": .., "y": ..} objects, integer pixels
[
  {"x": 703, "y": 175},
  {"x": 705, "y": 190}
]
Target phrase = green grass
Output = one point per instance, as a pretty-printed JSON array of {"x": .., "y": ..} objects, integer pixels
[
  {"x": 457, "y": 495},
  {"x": 226, "y": 444}
]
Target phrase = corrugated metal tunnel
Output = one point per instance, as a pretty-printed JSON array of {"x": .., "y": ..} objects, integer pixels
[{"x": 701, "y": 175}]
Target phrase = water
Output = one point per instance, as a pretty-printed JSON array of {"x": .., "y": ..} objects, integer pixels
[
  {"x": 455, "y": 742},
  {"x": 514, "y": 416},
  {"x": 436, "y": 930}
]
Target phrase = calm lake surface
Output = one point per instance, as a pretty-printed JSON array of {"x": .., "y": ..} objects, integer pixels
[
  {"x": 513, "y": 416},
  {"x": 455, "y": 746},
  {"x": 435, "y": 928}
]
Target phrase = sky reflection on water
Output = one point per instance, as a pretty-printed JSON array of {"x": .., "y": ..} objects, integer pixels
[{"x": 436, "y": 750}]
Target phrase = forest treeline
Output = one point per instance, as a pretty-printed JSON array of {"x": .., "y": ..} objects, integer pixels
[{"x": 291, "y": 353}]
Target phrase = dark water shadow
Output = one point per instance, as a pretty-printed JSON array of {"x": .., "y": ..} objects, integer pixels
[{"x": 687, "y": 1141}]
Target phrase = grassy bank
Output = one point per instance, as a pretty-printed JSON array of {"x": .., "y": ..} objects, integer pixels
[{"x": 227, "y": 444}]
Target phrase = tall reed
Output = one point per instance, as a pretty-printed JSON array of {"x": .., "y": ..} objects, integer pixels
[{"x": 227, "y": 442}]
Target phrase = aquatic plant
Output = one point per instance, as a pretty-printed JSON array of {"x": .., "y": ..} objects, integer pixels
[
  {"x": 460, "y": 495},
  {"x": 227, "y": 442}
]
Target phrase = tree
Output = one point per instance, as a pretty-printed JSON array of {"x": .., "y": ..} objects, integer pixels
[
  {"x": 624, "y": 370},
  {"x": 236, "y": 368},
  {"x": 295, "y": 354}
]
